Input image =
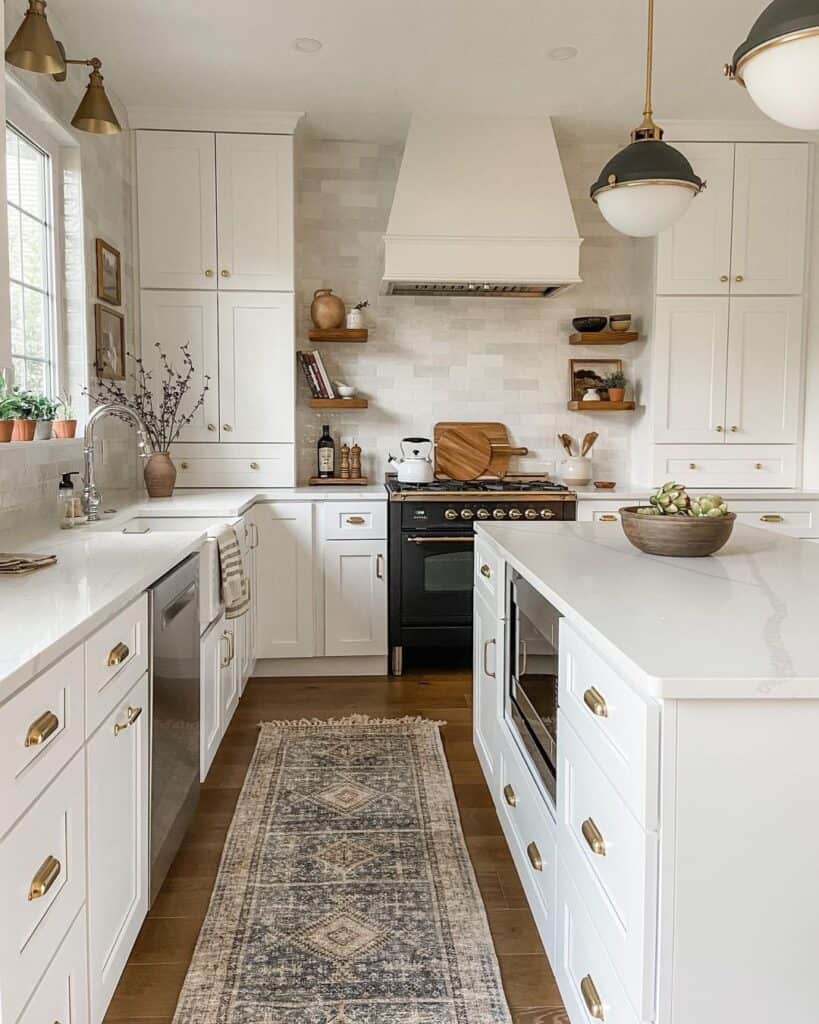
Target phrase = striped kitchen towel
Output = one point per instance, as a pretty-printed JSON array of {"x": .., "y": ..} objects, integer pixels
[{"x": 235, "y": 586}]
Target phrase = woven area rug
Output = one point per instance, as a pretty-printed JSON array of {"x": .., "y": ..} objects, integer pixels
[{"x": 345, "y": 893}]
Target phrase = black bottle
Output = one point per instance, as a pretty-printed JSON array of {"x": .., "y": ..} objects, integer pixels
[{"x": 326, "y": 454}]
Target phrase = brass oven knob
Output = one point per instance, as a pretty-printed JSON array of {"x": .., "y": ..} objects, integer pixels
[
  {"x": 515, "y": 513},
  {"x": 546, "y": 513},
  {"x": 467, "y": 513},
  {"x": 483, "y": 513},
  {"x": 499, "y": 513},
  {"x": 530, "y": 513},
  {"x": 450, "y": 514}
]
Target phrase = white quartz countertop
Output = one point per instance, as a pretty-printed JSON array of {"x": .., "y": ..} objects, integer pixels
[
  {"x": 633, "y": 492},
  {"x": 736, "y": 625}
]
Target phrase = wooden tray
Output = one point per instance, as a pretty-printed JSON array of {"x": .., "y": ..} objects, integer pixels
[{"x": 353, "y": 481}]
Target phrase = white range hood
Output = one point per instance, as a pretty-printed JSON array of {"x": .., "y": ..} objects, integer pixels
[{"x": 481, "y": 207}]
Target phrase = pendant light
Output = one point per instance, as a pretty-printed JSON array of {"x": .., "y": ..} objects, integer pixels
[
  {"x": 34, "y": 48},
  {"x": 779, "y": 63},
  {"x": 648, "y": 185}
]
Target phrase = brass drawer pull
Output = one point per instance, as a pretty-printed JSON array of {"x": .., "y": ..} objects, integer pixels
[
  {"x": 533, "y": 853},
  {"x": 591, "y": 997},
  {"x": 596, "y": 702},
  {"x": 692, "y": 465},
  {"x": 486, "y": 571},
  {"x": 608, "y": 519},
  {"x": 379, "y": 566},
  {"x": 486, "y": 647},
  {"x": 46, "y": 876},
  {"x": 254, "y": 465},
  {"x": 133, "y": 714},
  {"x": 772, "y": 517},
  {"x": 510, "y": 796},
  {"x": 42, "y": 728},
  {"x": 594, "y": 837},
  {"x": 117, "y": 655},
  {"x": 356, "y": 520}
]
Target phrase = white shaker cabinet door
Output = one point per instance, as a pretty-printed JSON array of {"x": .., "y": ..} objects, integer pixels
[
  {"x": 284, "y": 574},
  {"x": 212, "y": 653},
  {"x": 174, "y": 319},
  {"x": 118, "y": 758},
  {"x": 355, "y": 597},
  {"x": 770, "y": 219},
  {"x": 176, "y": 190},
  {"x": 256, "y": 366},
  {"x": 230, "y": 669},
  {"x": 764, "y": 370},
  {"x": 694, "y": 255},
  {"x": 487, "y": 685},
  {"x": 690, "y": 353},
  {"x": 254, "y": 175}
]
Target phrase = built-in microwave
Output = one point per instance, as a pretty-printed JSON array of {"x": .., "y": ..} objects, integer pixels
[{"x": 532, "y": 666}]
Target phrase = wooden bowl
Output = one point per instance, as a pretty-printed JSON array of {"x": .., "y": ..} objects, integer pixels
[
  {"x": 605, "y": 485},
  {"x": 676, "y": 536}
]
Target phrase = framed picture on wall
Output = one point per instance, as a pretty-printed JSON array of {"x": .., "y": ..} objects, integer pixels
[
  {"x": 110, "y": 343},
  {"x": 109, "y": 273},
  {"x": 590, "y": 373}
]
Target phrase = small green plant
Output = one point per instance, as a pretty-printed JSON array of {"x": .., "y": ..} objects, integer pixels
[
  {"x": 20, "y": 405},
  {"x": 673, "y": 500},
  {"x": 64, "y": 402},
  {"x": 615, "y": 380},
  {"x": 45, "y": 408}
]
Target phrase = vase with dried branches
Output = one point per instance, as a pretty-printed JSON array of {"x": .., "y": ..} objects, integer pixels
[{"x": 158, "y": 400}]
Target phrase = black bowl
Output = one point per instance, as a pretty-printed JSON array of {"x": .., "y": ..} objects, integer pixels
[{"x": 589, "y": 324}]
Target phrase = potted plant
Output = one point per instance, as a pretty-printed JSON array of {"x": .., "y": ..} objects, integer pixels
[
  {"x": 45, "y": 409},
  {"x": 7, "y": 408},
  {"x": 355, "y": 315},
  {"x": 158, "y": 403},
  {"x": 22, "y": 408},
  {"x": 615, "y": 384},
  {"x": 66, "y": 425}
]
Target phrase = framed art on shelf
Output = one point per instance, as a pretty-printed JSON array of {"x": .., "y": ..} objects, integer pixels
[
  {"x": 109, "y": 273},
  {"x": 590, "y": 373},
  {"x": 109, "y": 361}
]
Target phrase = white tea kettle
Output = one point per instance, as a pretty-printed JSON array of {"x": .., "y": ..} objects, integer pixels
[{"x": 415, "y": 466}]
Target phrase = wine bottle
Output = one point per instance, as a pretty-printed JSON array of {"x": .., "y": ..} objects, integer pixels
[{"x": 326, "y": 454}]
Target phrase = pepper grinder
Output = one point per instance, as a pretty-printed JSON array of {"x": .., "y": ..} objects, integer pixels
[
  {"x": 344, "y": 471},
  {"x": 355, "y": 462}
]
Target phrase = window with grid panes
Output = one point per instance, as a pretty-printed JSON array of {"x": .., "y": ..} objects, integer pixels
[{"x": 31, "y": 263}]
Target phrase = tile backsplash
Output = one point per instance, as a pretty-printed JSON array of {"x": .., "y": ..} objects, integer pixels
[{"x": 453, "y": 359}]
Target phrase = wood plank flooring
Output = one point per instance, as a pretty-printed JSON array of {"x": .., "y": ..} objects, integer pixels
[{"x": 150, "y": 985}]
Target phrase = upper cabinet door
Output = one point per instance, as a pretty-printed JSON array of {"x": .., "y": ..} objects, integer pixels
[
  {"x": 764, "y": 364},
  {"x": 176, "y": 188},
  {"x": 770, "y": 217},
  {"x": 172, "y": 319},
  {"x": 256, "y": 366},
  {"x": 690, "y": 354},
  {"x": 694, "y": 256},
  {"x": 255, "y": 195}
]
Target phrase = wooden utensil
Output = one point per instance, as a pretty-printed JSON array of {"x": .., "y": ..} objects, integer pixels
[
  {"x": 588, "y": 442},
  {"x": 498, "y": 438},
  {"x": 566, "y": 441}
]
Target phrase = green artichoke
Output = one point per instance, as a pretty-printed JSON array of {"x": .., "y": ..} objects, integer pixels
[
  {"x": 711, "y": 506},
  {"x": 672, "y": 500}
]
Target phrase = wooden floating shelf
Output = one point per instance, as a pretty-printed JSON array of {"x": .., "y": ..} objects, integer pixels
[
  {"x": 353, "y": 481},
  {"x": 340, "y": 334},
  {"x": 339, "y": 403},
  {"x": 603, "y": 338},
  {"x": 601, "y": 406}
]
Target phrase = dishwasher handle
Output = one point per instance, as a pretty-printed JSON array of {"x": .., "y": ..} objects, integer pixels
[{"x": 179, "y": 603}]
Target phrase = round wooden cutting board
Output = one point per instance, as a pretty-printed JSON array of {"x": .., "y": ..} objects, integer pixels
[{"x": 462, "y": 453}]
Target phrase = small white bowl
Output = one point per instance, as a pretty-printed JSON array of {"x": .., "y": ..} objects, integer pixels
[{"x": 345, "y": 391}]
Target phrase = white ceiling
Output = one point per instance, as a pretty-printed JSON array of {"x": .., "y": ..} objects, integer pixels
[{"x": 382, "y": 60}]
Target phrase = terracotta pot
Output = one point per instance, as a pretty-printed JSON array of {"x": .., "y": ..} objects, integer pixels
[
  {"x": 327, "y": 310},
  {"x": 160, "y": 475},
  {"x": 65, "y": 428},
  {"x": 617, "y": 394},
  {"x": 24, "y": 430},
  {"x": 6, "y": 430}
]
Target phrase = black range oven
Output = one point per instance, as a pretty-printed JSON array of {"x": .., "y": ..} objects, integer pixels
[{"x": 431, "y": 542}]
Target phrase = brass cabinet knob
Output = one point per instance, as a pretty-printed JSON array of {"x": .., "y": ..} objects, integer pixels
[
  {"x": 510, "y": 796},
  {"x": 47, "y": 874},
  {"x": 41, "y": 728},
  {"x": 739, "y": 279},
  {"x": 724, "y": 278},
  {"x": 254, "y": 465},
  {"x": 117, "y": 655},
  {"x": 593, "y": 837},
  {"x": 183, "y": 465},
  {"x": 486, "y": 571},
  {"x": 225, "y": 273},
  {"x": 692, "y": 465},
  {"x": 208, "y": 273},
  {"x": 757, "y": 465},
  {"x": 533, "y": 853},
  {"x": 596, "y": 702},
  {"x": 734, "y": 430},
  {"x": 591, "y": 998},
  {"x": 228, "y": 427},
  {"x": 211, "y": 426},
  {"x": 719, "y": 429}
]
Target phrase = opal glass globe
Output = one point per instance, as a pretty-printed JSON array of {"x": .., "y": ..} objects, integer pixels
[
  {"x": 783, "y": 81},
  {"x": 642, "y": 210}
]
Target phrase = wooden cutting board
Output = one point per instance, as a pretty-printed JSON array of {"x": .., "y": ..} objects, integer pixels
[
  {"x": 462, "y": 452},
  {"x": 498, "y": 437}
]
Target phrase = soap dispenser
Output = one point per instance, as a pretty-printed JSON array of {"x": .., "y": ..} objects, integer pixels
[{"x": 69, "y": 510}]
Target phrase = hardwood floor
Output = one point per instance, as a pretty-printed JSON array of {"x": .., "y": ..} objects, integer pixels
[{"x": 150, "y": 986}]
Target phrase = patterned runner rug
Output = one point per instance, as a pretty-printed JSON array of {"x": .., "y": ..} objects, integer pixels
[{"x": 345, "y": 893}]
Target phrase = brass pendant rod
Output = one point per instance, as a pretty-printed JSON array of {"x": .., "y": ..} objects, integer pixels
[{"x": 648, "y": 110}]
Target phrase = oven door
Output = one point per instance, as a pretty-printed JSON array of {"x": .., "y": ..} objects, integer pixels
[{"x": 436, "y": 578}]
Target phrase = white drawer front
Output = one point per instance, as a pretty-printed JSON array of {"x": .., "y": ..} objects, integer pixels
[
  {"x": 62, "y": 995},
  {"x": 345, "y": 520},
  {"x": 115, "y": 657},
  {"x": 532, "y": 838},
  {"x": 585, "y": 975},
  {"x": 42, "y": 884},
  {"x": 41, "y": 728},
  {"x": 790, "y": 519},
  {"x": 489, "y": 577},
  {"x": 716, "y": 465},
  {"x": 614, "y": 863},
  {"x": 620, "y": 729},
  {"x": 234, "y": 465}
]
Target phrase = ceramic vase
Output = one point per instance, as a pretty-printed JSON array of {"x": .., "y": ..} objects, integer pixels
[
  {"x": 576, "y": 470},
  {"x": 160, "y": 475},
  {"x": 43, "y": 430},
  {"x": 65, "y": 428},
  {"x": 355, "y": 319},
  {"x": 327, "y": 310}
]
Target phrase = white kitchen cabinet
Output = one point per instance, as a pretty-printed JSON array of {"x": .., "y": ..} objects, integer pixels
[
  {"x": 355, "y": 597},
  {"x": 285, "y": 587},
  {"x": 118, "y": 798},
  {"x": 487, "y": 701},
  {"x": 176, "y": 188},
  {"x": 62, "y": 995},
  {"x": 256, "y": 367},
  {"x": 175, "y": 318},
  {"x": 211, "y": 655},
  {"x": 254, "y": 194},
  {"x": 764, "y": 371},
  {"x": 694, "y": 255},
  {"x": 229, "y": 673},
  {"x": 690, "y": 367}
]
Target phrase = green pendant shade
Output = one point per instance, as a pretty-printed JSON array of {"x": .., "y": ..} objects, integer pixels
[
  {"x": 781, "y": 18},
  {"x": 647, "y": 160}
]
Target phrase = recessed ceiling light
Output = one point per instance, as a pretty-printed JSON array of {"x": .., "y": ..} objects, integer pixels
[
  {"x": 306, "y": 44},
  {"x": 563, "y": 53}
]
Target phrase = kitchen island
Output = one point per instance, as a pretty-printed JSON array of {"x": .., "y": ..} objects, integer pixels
[{"x": 671, "y": 877}]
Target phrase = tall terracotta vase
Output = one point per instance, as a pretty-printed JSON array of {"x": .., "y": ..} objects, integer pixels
[{"x": 160, "y": 475}]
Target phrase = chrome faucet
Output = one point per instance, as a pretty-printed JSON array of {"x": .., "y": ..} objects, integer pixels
[{"x": 90, "y": 494}]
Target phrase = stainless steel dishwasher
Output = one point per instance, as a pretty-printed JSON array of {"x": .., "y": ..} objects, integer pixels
[{"x": 175, "y": 713}]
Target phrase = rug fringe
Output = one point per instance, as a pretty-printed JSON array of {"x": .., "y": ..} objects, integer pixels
[{"x": 352, "y": 721}]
